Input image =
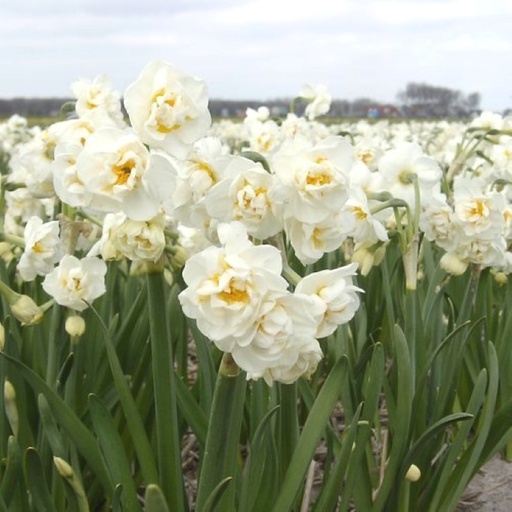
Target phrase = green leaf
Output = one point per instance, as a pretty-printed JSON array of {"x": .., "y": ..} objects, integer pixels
[
  {"x": 310, "y": 436},
  {"x": 41, "y": 497},
  {"x": 155, "y": 500},
  {"x": 51, "y": 429},
  {"x": 166, "y": 415},
  {"x": 117, "y": 500},
  {"x": 216, "y": 495},
  {"x": 499, "y": 435},
  {"x": 68, "y": 420},
  {"x": 334, "y": 486},
  {"x": 113, "y": 452},
  {"x": 468, "y": 465},
  {"x": 401, "y": 432},
  {"x": 427, "y": 437},
  {"x": 192, "y": 412},
  {"x": 133, "y": 419},
  {"x": 13, "y": 472},
  {"x": 255, "y": 464},
  {"x": 437, "y": 485}
]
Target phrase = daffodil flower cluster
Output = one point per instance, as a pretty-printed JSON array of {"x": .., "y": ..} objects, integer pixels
[
  {"x": 240, "y": 300},
  {"x": 238, "y": 199}
]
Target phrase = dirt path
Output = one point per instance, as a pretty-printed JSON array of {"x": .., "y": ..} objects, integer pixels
[{"x": 490, "y": 490}]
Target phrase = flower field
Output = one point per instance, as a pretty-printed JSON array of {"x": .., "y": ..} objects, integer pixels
[{"x": 273, "y": 314}]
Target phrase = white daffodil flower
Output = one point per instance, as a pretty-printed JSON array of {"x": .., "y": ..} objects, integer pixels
[
  {"x": 313, "y": 180},
  {"x": 168, "y": 109},
  {"x": 334, "y": 295},
  {"x": 43, "y": 248},
  {"x": 97, "y": 97},
  {"x": 399, "y": 167},
  {"x": 319, "y": 100},
  {"x": 76, "y": 283},
  {"x": 132, "y": 239},
  {"x": 246, "y": 197},
  {"x": 285, "y": 333},
  {"x": 121, "y": 174},
  {"x": 227, "y": 286}
]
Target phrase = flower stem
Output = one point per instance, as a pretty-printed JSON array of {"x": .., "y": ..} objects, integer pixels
[
  {"x": 167, "y": 438},
  {"x": 222, "y": 440}
]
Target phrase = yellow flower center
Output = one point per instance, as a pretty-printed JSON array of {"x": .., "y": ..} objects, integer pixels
[{"x": 123, "y": 171}]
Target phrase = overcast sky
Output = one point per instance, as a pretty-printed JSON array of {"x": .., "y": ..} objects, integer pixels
[{"x": 262, "y": 49}]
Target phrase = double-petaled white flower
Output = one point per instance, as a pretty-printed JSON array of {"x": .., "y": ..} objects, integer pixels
[
  {"x": 227, "y": 286},
  {"x": 133, "y": 239},
  {"x": 206, "y": 165},
  {"x": 479, "y": 212},
  {"x": 43, "y": 248},
  {"x": 245, "y": 196},
  {"x": 335, "y": 299},
  {"x": 168, "y": 108},
  {"x": 96, "y": 98},
  {"x": 119, "y": 173},
  {"x": 76, "y": 283},
  {"x": 284, "y": 346},
  {"x": 313, "y": 180},
  {"x": 311, "y": 241}
]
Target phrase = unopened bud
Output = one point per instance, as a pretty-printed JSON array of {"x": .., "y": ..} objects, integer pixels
[
  {"x": 26, "y": 310},
  {"x": 453, "y": 264},
  {"x": 75, "y": 326},
  {"x": 2, "y": 336},
  {"x": 169, "y": 277},
  {"x": 11, "y": 409},
  {"x": 64, "y": 469},
  {"x": 413, "y": 473},
  {"x": 501, "y": 278}
]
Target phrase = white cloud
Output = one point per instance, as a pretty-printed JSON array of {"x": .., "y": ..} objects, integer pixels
[{"x": 260, "y": 49}]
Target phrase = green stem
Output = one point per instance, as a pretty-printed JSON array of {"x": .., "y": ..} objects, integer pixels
[
  {"x": 222, "y": 440},
  {"x": 288, "y": 425},
  {"x": 167, "y": 435}
]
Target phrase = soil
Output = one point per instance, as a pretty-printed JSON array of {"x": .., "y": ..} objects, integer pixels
[{"x": 490, "y": 490}]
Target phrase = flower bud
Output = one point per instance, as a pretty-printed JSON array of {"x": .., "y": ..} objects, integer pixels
[
  {"x": 178, "y": 257},
  {"x": 413, "y": 473},
  {"x": 26, "y": 310},
  {"x": 75, "y": 326},
  {"x": 501, "y": 278},
  {"x": 453, "y": 264},
  {"x": 64, "y": 469},
  {"x": 11, "y": 409},
  {"x": 2, "y": 336}
]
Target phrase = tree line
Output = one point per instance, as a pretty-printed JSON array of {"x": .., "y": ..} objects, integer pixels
[{"x": 416, "y": 100}]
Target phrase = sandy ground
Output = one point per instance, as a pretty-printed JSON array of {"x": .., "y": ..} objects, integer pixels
[{"x": 490, "y": 490}]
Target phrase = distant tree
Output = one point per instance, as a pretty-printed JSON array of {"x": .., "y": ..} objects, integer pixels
[{"x": 428, "y": 100}]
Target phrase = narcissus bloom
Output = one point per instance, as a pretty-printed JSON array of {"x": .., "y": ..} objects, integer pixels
[
  {"x": 43, "y": 248},
  {"x": 168, "y": 108},
  {"x": 227, "y": 286},
  {"x": 133, "y": 239},
  {"x": 319, "y": 100},
  {"x": 97, "y": 96},
  {"x": 284, "y": 347},
  {"x": 119, "y": 173},
  {"x": 313, "y": 180},
  {"x": 334, "y": 296},
  {"x": 246, "y": 197},
  {"x": 76, "y": 283}
]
